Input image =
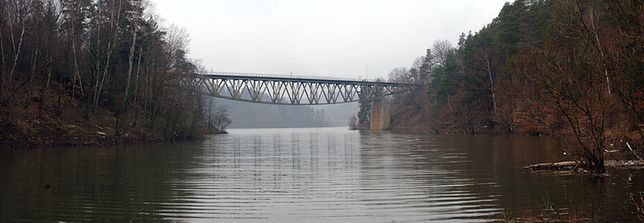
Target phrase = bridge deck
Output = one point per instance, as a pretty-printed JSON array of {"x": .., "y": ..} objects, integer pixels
[{"x": 298, "y": 78}]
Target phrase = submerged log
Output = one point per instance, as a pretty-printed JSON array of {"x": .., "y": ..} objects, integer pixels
[
  {"x": 564, "y": 165},
  {"x": 572, "y": 165}
]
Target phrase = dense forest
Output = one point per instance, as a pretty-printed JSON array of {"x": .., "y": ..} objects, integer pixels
[
  {"x": 565, "y": 67},
  {"x": 96, "y": 72}
]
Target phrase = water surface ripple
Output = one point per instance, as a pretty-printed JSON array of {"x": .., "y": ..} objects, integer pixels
[{"x": 296, "y": 175}]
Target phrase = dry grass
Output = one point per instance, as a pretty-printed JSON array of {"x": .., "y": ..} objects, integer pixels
[
  {"x": 547, "y": 213},
  {"x": 638, "y": 201},
  {"x": 549, "y": 217}
]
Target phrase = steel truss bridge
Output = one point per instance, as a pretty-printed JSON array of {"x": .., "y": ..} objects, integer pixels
[{"x": 294, "y": 90}]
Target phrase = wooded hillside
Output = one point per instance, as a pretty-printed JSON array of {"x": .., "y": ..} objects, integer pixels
[
  {"x": 541, "y": 67},
  {"x": 94, "y": 71}
]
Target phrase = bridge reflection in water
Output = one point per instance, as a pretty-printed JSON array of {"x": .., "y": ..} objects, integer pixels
[{"x": 335, "y": 175}]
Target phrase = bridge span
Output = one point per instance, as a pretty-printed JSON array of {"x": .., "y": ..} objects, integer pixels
[
  {"x": 295, "y": 90},
  {"x": 302, "y": 90}
]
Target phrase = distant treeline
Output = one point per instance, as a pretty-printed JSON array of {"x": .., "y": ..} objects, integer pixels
[
  {"x": 106, "y": 61},
  {"x": 252, "y": 115},
  {"x": 571, "y": 67}
]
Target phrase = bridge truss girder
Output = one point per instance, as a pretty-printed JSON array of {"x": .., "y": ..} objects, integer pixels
[{"x": 294, "y": 91}]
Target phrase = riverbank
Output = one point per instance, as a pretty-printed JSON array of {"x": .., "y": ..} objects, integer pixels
[
  {"x": 21, "y": 131},
  {"x": 25, "y": 125},
  {"x": 620, "y": 144}
]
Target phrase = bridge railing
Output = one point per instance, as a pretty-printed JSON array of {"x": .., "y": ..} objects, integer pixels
[{"x": 293, "y": 76}]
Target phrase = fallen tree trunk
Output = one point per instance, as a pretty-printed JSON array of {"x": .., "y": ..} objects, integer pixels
[{"x": 576, "y": 165}]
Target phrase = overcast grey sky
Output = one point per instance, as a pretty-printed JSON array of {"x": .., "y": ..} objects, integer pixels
[{"x": 325, "y": 37}]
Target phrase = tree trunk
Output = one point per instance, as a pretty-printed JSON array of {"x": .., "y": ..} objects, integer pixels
[
  {"x": 101, "y": 83},
  {"x": 31, "y": 78},
  {"x": 131, "y": 60},
  {"x": 110, "y": 45},
  {"x": 2, "y": 64},
  {"x": 489, "y": 73},
  {"x": 15, "y": 59},
  {"x": 76, "y": 71},
  {"x": 45, "y": 95},
  {"x": 136, "y": 86},
  {"x": 58, "y": 104}
]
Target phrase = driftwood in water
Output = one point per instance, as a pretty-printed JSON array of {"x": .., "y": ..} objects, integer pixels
[
  {"x": 572, "y": 165},
  {"x": 564, "y": 165}
]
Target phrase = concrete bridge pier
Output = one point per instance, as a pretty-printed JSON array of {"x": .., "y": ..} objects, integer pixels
[{"x": 379, "y": 115}]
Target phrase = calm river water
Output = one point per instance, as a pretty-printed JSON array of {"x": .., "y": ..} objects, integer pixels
[{"x": 302, "y": 175}]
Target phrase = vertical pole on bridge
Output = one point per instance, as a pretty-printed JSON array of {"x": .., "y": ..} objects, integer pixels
[{"x": 379, "y": 114}]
